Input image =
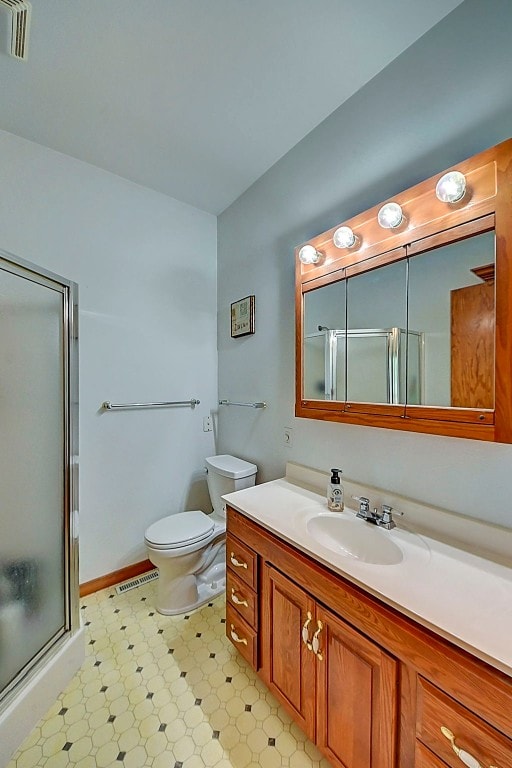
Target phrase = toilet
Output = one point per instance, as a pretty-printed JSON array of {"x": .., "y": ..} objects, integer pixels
[{"x": 189, "y": 548}]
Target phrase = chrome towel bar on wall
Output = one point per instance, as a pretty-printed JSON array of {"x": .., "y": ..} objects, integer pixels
[
  {"x": 244, "y": 405},
  {"x": 108, "y": 406}
]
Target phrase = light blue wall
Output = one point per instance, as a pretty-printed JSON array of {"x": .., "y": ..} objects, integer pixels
[
  {"x": 147, "y": 333},
  {"x": 446, "y": 98}
]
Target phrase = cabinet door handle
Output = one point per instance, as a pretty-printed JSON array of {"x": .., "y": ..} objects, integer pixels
[
  {"x": 236, "y": 638},
  {"x": 316, "y": 641},
  {"x": 305, "y": 631},
  {"x": 237, "y": 563},
  {"x": 236, "y": 600},
  {"x": 464, "y": 756}
]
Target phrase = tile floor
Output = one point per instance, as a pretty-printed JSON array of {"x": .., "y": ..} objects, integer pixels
[{"x": 163, "y": 692}]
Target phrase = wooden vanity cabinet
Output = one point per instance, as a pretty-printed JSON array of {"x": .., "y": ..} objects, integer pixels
[
  {"x": 371, "y": 687},
  {"x": 242, "y": 598},
  {"x": 338, "y": 685}
]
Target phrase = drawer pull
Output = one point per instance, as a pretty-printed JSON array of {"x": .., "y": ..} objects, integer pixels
[
  {"x": 305, "y": 631},
  {"x": 316, "y": 641},
  {"x": 236, "y": 600},
  {"x": 237, "y": 563},
  {"x": 464, "y": 756},
  {"x": 236, "y": 638}
]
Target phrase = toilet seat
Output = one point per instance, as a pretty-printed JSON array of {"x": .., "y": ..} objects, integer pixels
[{"x": 180, "y": 530}]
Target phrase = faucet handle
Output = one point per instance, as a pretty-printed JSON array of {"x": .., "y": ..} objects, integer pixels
[
  {"x": 364, "y": 504},
  {"x": 386, "y": 517},
  {"x": 387, "y": 509}
]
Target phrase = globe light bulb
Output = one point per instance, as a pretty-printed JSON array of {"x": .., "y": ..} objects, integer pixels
[
  {"x": 390, "y": 216},
  {"x": 451, "y": 187},
  {"x": 344, "y": 238},
  {"x": 309, "y": 255}
]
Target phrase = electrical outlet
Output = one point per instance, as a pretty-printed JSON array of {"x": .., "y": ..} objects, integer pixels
[
  {"x": 288, "y": 436},
  {"x": 207, "y": 424}
]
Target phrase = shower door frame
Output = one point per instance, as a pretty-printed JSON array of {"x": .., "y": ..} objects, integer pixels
[
  {"x": 69, "y": 291},
  {"x": 393, "y": 353}
]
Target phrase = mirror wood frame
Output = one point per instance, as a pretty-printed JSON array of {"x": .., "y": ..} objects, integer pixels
[{"x": 428, "y": 223}]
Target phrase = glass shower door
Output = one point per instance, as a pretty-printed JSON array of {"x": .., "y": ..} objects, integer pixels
[{"x": 34, "y": 458}]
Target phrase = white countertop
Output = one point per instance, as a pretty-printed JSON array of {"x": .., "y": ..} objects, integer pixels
[{"x": 460, "y": 595}]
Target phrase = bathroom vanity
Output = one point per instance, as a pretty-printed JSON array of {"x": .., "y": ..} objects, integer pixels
[{"x": 397, "y": 661}]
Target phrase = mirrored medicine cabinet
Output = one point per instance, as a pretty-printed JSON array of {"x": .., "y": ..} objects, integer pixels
[{"x": 409, "y": 326}]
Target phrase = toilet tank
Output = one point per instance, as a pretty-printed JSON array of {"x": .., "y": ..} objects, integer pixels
[{"x": 225, "y": 475}]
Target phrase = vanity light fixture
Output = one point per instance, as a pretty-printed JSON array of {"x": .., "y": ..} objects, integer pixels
[
  {"x": 390, "y": 216},
  {"x": 344, "y": 238},
  {"x": 451, "y": 187},
  {"x": 309, "y": 255}
]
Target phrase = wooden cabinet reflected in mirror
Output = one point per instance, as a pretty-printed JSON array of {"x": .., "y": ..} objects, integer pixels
[
  {"x": 410, "y": 328},
  {"x": 472, "y": 316}
]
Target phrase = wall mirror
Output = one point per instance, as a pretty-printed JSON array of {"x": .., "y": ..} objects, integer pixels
[
  {"x": 451, "y": 299},
  {"x": 409, "y": 326}
]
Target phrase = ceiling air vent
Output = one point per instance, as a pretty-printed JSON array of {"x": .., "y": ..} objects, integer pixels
[{"x": 15, "y": 26}]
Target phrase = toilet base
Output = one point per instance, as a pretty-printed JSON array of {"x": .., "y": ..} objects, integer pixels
[{"x": 206, "y": 591}]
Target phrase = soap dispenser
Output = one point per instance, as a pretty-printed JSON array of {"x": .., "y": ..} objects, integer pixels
[{"x": 335, "y": 491}]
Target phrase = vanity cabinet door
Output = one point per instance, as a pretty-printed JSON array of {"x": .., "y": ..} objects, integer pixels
[
  {"x": 288, "y": 663},
  {"x": 356, "y": 692}
]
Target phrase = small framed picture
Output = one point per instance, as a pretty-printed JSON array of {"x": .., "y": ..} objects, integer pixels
[{"x": 242, "y": 317}]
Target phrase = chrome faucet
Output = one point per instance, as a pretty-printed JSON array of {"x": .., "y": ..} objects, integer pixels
[{"x": 383, "y": 519}]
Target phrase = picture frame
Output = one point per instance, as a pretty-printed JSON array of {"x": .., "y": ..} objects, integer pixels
[{"x": 242, "y": 317}]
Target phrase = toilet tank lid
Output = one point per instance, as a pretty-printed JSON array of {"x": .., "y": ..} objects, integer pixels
[{"x": 230, "y": 466}]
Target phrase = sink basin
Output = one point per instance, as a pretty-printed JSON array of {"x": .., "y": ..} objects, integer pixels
[{"x": 355, "y": 538}]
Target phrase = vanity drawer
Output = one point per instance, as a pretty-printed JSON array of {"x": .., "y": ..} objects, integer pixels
[
  {"x": 471, "y": 734},
  {"x": 242, "y": 598},
  {"x": 243, "y": 637},
  {"x": 424, "y": 758},
  {"x": 242, "y": 561}
]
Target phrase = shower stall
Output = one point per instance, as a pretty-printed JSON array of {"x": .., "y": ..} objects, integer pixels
[
  {"x": 375, "y": 365},
  {"x": 41, "y": 644}
]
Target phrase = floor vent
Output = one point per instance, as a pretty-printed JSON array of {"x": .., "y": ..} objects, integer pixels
[
  {"x": 151, "y": 576},
  {"x": 15, "y": 26}
]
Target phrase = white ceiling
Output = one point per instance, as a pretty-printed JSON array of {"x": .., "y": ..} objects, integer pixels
[{"x": 197, "y": 98}]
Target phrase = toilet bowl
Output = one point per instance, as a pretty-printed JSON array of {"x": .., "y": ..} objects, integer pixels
[{"x": 189, "y": 548}]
